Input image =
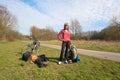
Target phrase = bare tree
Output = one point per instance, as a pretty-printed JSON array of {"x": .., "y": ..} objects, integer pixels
[
  {"x": 8, "y": 22},
  {"x": 43, "y": 34},
  {"x": 75, "y": 28},
  {"x": 35, "y": 32},
  {"x": 115, "y": 21}
]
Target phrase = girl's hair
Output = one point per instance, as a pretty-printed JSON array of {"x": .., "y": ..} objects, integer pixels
[{"x": 66, "y": 26}]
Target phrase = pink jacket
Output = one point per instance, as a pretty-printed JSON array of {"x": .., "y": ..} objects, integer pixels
[{"x": 64, "y": 36}]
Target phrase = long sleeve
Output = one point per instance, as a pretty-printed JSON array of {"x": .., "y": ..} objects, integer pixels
[{"x": 60, "y": 35}]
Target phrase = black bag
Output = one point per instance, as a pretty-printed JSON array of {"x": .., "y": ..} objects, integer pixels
[
  {"x": 43, "y": 57},
  {"x": 39, "y": 61},
  {"x": 25, "y": 56}
]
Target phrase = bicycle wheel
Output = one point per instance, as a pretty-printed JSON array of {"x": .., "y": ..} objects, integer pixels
[{"x": 73, "y": 52}]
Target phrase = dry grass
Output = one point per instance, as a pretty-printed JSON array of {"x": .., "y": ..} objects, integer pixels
[{"x": 110, "y": 46}]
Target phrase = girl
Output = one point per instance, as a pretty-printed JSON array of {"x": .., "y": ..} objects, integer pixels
[{"x": 64, "y": 36}]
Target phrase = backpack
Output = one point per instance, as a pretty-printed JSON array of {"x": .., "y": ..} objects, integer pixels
[
  {"x": 43, "y": 57},
  {"x": 73, "y": 53},
  {"x": 26, "y": 55},
  {"x": 39, "y": 61}
]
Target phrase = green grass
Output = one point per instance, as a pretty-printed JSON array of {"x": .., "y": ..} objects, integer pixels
[
  {"x": 92, "y": 45},
  {"x": 89, "y": 68}
]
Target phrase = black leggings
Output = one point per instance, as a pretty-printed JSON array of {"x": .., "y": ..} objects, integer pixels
[{"x": 64, "y": 49}]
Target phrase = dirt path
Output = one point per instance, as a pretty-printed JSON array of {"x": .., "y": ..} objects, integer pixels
[{"x": 100, "y": 54}]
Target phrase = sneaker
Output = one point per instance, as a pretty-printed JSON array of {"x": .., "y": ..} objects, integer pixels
[
  {"x": 66, "y": 62},
  {"x": 70, "y": 61},
  {"x": 59, "y": 62}
]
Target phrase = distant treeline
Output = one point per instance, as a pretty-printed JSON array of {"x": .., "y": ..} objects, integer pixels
[
  {"x": 110, "y": 33},
  {"x": 43, "y": 34}
]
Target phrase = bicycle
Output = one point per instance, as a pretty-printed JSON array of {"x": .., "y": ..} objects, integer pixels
[{"x": 32, "y": 47}]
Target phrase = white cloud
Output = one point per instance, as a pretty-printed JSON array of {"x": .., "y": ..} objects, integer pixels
[
  {"x": 28, "y": 16},
  {"x": 87, "y": 11}
]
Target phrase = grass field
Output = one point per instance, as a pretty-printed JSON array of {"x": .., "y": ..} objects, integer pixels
[
  {"x": 92, "y": 45},
  {"x": 89, "y": 68}
]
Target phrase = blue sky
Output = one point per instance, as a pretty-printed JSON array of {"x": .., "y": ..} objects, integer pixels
[{"x": 92, "y": 14}]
